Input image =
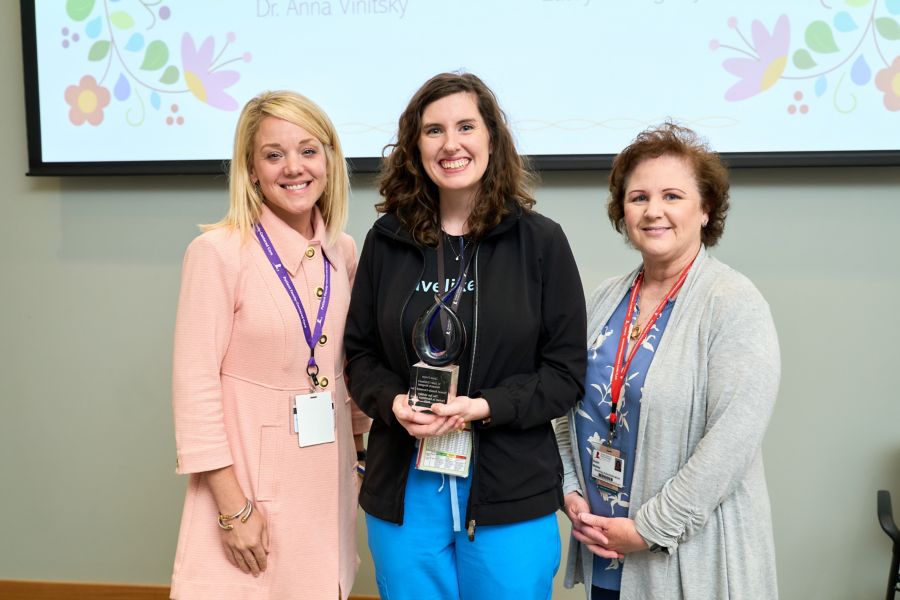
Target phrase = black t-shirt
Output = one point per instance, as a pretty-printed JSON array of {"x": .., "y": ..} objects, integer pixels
[{"x": 423, "y": 298}]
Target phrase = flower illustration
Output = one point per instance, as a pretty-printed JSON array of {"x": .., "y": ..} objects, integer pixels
[
  {"x": 87, "y": 100},
  {"x": 759, "y": 73},
  {"x": 888, "y": 81},
  {"x": 204, "y": 82}
]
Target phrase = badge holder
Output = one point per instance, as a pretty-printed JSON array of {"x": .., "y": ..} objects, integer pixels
[
  {"x": 314, "y": 418},
  {"x": 608, "y": 468}
]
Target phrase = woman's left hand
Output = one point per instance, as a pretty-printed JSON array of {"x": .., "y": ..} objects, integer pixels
[
  {"x": 619, "y": 531},
  {"x": 469, "y": 409}
]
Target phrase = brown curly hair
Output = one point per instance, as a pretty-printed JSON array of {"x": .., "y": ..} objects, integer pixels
[
  {"x": 413, "y": 197},
  {"x": 670, "y": 139}
]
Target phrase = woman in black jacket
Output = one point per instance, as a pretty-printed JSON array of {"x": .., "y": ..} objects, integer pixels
[{"x": 458, "y": 234}]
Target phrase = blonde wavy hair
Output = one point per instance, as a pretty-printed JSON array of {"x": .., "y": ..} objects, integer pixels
[{"x": 245, "y": 198}]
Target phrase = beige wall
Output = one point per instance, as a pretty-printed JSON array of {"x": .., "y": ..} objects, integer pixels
[{"x": 90, "y": 271}]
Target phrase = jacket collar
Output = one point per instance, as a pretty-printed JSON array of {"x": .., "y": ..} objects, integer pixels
[
  {"x": 291, "y": 245},
  {"x": 513, "y": 214},
  {"x": 390, "y": 225}
]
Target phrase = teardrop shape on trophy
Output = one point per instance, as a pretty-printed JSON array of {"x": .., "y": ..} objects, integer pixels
[{"x": 455, "y": 338}]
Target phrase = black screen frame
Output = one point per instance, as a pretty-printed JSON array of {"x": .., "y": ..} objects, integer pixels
[{"x": 542, "y": 162}]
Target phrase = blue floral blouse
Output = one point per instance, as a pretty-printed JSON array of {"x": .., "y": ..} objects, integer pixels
[{"x": 592, "y": 421}]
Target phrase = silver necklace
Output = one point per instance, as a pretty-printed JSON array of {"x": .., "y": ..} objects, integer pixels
[{"x": 454, "y": 243}]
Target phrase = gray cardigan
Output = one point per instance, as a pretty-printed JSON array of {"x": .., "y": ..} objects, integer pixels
[{"x": 699, "y": 489}]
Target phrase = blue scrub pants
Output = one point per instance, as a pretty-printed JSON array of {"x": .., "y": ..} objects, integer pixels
[{"x": 425, "y": 559}]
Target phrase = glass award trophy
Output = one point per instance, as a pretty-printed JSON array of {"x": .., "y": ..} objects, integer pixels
[{"x": 433, "y": 379}]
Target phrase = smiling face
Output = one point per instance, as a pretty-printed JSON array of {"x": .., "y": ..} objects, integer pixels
[
  {"x": 290, "y": 167},
  {"x": 454, "y": 144},
  {"x": 663, "y": 211}
]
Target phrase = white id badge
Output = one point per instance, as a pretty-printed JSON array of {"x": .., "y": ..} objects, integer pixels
[
  {"x": 608, "y": 468},
  {"x": 315, "y": 418}
]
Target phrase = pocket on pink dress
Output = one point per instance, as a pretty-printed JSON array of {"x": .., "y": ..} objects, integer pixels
[{"x": 268, "y": 456}]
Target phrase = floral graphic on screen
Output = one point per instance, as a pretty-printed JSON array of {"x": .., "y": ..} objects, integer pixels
[
  {"x": 127, "y": 63},
  {"x": 888, "y": 81},
  {"x": 207, "y": 84},
  {"x": 760, "y": 72},
  {"x": 849, "y": 55},
  {"x": 87, "y": 101}
]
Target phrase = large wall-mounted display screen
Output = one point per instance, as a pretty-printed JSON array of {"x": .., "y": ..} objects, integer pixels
[{"x": 155, "y": 86}]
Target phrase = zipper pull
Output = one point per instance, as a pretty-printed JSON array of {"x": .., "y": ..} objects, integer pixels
[{"x": 471, "y": 530}]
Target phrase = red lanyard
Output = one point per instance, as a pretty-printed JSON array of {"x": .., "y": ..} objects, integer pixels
[{"x": 620, "y": 370}]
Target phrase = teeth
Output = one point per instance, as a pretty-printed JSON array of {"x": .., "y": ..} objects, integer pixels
[
  {"x": 295, "y": 187},
  {"x": 455, "y": 164}
]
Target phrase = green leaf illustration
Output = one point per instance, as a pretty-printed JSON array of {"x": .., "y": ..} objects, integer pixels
[
  {"x": 156, "y": 56},
  {"x": 819, "y": 37},
  {"x": 170, "y": 75},
  {"x": 856, "y": 3},
  {"x": 122, "y": 20},
  {"x": 99, "y": 50},
  {"x": 888, "y": 28},
  {"x": 803, "y": 59},
  {"x": 79, "y": 10}
]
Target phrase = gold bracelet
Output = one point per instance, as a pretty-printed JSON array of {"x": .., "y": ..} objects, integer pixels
[
  {"x": 224, "y": 519},
  {"x": 224, "y": 525}
]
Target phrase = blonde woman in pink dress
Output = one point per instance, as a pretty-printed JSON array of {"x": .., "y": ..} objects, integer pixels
[{"x": 263, "y": 423}]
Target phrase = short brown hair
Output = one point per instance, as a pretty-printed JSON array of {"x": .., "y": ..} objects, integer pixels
[
  {"x": 670, "y": 139},
  {"x": 406, "y": 188}
]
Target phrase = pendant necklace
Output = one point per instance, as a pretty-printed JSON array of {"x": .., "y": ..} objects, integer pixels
[
  {"x": 453, "y": 239},
  {"x": 636, "y": 329}
]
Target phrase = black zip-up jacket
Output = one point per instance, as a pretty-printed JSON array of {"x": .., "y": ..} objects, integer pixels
[{"x": 528, "y": 361}]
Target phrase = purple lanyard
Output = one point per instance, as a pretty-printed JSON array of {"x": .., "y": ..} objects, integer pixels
[{"x": 312, "y": 369}]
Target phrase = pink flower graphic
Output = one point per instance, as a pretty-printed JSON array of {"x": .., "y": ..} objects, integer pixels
[
  {"x": 204, "y": 82},
  {"x": 760, "y": 73},
  {"x": 888, "y": 81},
  {"x": 87, "y": 100}
]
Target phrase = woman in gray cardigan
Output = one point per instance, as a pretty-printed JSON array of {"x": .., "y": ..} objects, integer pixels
[{"x": 667, "y": 496}]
